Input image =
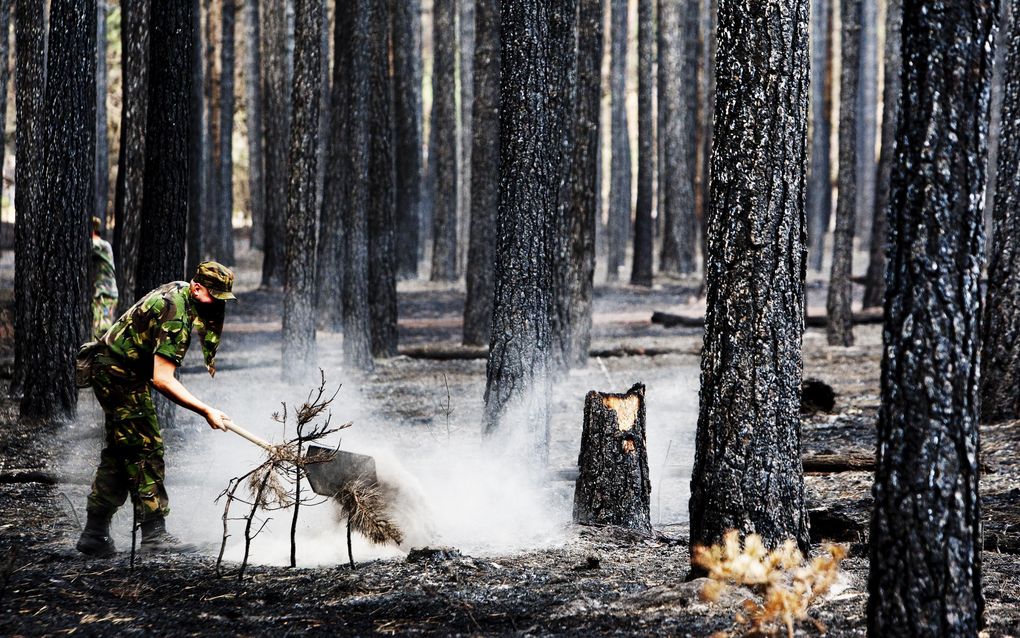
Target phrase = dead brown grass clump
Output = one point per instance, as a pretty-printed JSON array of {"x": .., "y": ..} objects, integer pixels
[{"x": 785, "y": 586}]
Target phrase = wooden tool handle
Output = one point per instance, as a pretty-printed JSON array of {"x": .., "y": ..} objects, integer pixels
[{"x": 237, "y": 429}]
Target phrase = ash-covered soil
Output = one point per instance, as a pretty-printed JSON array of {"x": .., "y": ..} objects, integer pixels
[{"x": 515, "y": 564}]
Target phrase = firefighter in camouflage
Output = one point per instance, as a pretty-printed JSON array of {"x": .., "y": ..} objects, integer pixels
[
  {"x": 104, "y": 283},
  {"x": 140, "y": 351}
]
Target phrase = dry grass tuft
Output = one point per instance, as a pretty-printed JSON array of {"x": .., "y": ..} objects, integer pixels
[
  {"x": 785, "y": 584},
  {"x": 364, "y": 504}
]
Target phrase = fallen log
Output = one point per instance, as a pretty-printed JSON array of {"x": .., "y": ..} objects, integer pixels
[
  {"x": 27, "y": 476},
  {"x": 457, "y": 352},
  {"x": 668, "y": 320},
  {"x": 612, "y": 486}
]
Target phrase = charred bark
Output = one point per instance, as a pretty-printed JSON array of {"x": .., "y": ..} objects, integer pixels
[
  {"x": 1000, "y": 376},
  {"x": 253, "y": 111},
  {"x": 466, "y": 72},
  {"x": 612, "y": 486},
  {"x": 61, "y": 297},
  {"x": 926, "y": 479},
  {"x": 299, "y": 284},
  {"x": 706, "y": 125},
  {"x": 131, "y": 163},
  {"x": 676, "y": 180},
  {"x": 618, "y": 225},
  {"x": 484, "y": 176},
  {"x": 874, "y": 279},
  {"x": 690, "y": 18},
  {"x": 407, "y": 70},
  {"x": 29, "y": 202},
  {"x": 165, "y": 199},
  {"x": 276, "y": 82},
  {"x": 222, "y": 245},
  {"x": 198, "y": 156},
  {"x": 330, "y": 264},
  {"x": 839, "y": 331},
  {"x": 5, "y": 56},
  {"x": 516, "y": 389},
  {"x": 641, "y": 271},
  {"x": 443, "y": 141},
  {"x": 747, "y": 472},
  {"x": 102, "y": 187},
  {"x": 866, "y": 118},
  {"x": 382, "y": 263},
  {"x": 357, "y": 344},
  {"x": 581, "y": 202},
  {"x": 819, "y": 184}
]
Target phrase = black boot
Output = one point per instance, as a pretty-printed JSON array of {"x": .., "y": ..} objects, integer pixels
[
  {"x": 95, "y": 539},
  {"x": 155, "y": 538}
]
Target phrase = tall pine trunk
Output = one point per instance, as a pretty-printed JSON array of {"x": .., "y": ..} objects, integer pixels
[
  {"x": 747, "y": 468},
  {"x": 408, "y": 122},
  {"x": 679, "y": 239},
  {"x": 443, "y": 141},
  {"x": 867, "y": 117},
  {"x": 925, "y": 528},
  {"x": 465, "y": 72},
  {"x": 1000, "y": 360},
  {"x": 874, "y": 284},
  {"x": 330, "y": 264},
  {"x": 131, "y": 163},
  {"x": 29, "y": 202},
  {"x": 839, "y": 330},
  {"x": 641, "y": 272},
  {"x": 819, "y": 184},
  {"x": 618, "y": 224},
  {"x": 299, "y": 281},
  {"x": 582, "y": 201},
  {"x": 223, "y": 246},
  {"x": 276, "y": 124},
  {"x": 382, "y": 263},
  {"x": 484, "y": 175},
  {"x": 253, "y": 111},
  {"x": 198, "y": 149},
  {"x": 357, "y": 344},
  {"x": 61, "y": 297},
  {"x": 102, "y": 188}
]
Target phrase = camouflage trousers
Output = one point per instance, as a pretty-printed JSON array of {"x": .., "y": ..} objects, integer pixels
[
  {"x": 131, "y": 464},
  {"x": 104, "y": 313}
]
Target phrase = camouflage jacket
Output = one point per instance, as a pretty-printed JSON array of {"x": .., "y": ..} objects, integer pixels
[
  {"x": 161, "y": 323},
  {"x": 104, "y": 277}
]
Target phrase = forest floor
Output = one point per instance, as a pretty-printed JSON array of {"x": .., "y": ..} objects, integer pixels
[{"x": 514, "y": 563}]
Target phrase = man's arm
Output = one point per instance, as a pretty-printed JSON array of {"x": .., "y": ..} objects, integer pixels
[{"x": 163, "y": 379}]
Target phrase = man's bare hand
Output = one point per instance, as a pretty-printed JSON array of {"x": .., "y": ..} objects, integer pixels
[{"x": 216, "y": 419}]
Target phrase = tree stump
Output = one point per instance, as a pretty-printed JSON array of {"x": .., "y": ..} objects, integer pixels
[{"x": 613, "y": 486}]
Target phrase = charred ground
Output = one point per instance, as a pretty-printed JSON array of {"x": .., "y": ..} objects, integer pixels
[{"x": 597, "y": 581}]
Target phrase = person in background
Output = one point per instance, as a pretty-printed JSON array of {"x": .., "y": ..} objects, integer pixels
[{"x": 104, "y": 283}]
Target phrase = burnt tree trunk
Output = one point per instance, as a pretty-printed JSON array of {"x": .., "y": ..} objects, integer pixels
[
  {"x": 131, "y": 163},
  {"x": 679, "y": 238},
  {"x": 330, "y": 264},
  {"x": 926, "y": 477},
  {"x": 382, "y": 262},
  {"x": 1003, "y": 21},
  {"x": 1000, "y": 374},
  {"x": 866, "y": 118},
  {"x": 581, "y": 202},
  {"x": 5, "y": 56},
  {"x": 222, "y": 245},
  {"x": 874, "y": 280},
  {"x": 618, "y": 229},
  {"x": 299, "y": 278},
  {"x": 612, "y": 486},
  {"x": 747, "y": 471},
  {"x": 819, "y": 184},
  {"x": 443, "y": 141},
  {"x": 253, "y": 112},
  {"x": 407, "y": 70},
  {"x": 198, "y": 156},
  {"x": 466, "y": 72},
  {"x": 641, "y": 271},
  {"x": 102, "y": 188},
  {"x": 62, "y": 292},
  {"x": 165, "y": 199},
  {"x": 706, "y": 125},
  {"x": 29, "y": 202},
  {"x": 516, "y": 391},
  {"x": 839, "y": 330},
  {"x": 484, "y": 176},
  {"x": 357, "y": 344},
  {"x": 276, "y": 82}
]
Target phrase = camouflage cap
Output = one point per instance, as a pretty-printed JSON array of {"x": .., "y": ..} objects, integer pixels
[{"x": 217, "y": 278}]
